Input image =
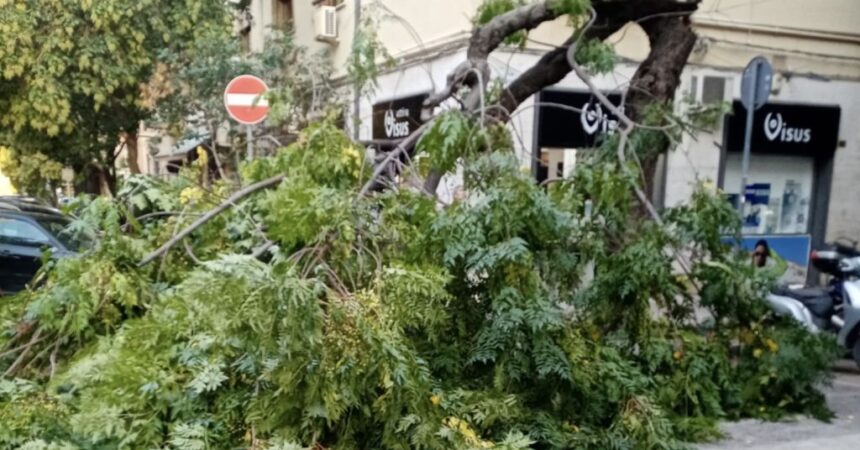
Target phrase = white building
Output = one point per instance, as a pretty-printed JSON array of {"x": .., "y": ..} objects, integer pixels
[{"x": 806, "y": 149}]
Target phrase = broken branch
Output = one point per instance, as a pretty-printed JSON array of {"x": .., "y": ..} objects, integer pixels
[{"x": 238, "y": 195}]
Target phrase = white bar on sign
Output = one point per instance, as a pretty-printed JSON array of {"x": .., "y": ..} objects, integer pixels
[{"x": 246, "y": 100}]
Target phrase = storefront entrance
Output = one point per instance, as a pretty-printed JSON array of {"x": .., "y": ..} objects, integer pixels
[
  {"x": 569, "y": 123},
  {"x": 790, "y": 170}
]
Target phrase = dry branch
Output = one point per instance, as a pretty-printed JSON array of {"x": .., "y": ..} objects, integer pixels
[{"x": 19, "y": 362}]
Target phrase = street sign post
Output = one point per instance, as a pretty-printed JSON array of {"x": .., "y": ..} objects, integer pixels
[
  {"x": 245, "y": 101},
  {"x": 755, "y": 90}
]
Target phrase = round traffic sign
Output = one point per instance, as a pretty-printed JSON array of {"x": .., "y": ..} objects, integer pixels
[
  {"x": 245, "y": 101},
  {"x": 756, "y": 83}
]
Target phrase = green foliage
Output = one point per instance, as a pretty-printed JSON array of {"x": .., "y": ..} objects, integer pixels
[
  {"x": 705, "y": 116},
  {"x": 596, "y": 55},
  {"x": 779, "y": 370},
  {"x": 386, "y": 321},
  {"x": 490, "y": 9},
  {"x": 570, "y": 7},
  {"x": 33, "y": 174},
  {"x": 368, "y": 55},
  {"x": 72, "y": 70}
]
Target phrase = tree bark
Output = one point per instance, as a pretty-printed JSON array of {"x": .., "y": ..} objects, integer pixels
[
  {"x": 553, "y": 66},
  {"x": 105, "y": 188},
  {"x": 656, "y": 80},
  {"x": 131, "y": 153}
]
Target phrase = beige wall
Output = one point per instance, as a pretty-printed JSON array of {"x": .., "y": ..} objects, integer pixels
[
  {"x": 814, "y": 46},
  {"x": 405, "y": 26},
  {"x": 801, "y": 36}
]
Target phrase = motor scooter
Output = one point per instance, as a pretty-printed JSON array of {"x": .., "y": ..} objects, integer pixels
[{"x": 835, "y": 308}]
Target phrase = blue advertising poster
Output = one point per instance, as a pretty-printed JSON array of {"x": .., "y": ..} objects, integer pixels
[
  {"x": 756, "y": 201},
  {"x": 794, "y": 249},
  {"x": 757, "y": 197}
]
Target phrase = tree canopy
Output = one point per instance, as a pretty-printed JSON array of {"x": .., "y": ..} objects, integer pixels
[
  {"x": 388, "y": 321},
  {"x": 72, "y": 70}
]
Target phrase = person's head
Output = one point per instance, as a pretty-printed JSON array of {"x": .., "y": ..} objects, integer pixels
[{"x": 760, "y": 253}]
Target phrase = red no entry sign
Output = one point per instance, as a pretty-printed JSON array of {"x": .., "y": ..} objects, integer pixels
[{"x": 244, "y": 99}]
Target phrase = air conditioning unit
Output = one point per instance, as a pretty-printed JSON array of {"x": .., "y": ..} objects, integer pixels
[{"x": 326, "y": 24}]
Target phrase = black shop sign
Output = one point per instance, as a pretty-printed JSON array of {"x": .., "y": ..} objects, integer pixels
[
  {"x": 396, "y": 119},
  {"x": 571, "y": 119},
  {"x": 786, "y": 129}
]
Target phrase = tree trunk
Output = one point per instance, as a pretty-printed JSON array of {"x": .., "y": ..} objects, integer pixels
[
  {"x": 656, "y": 80},
  {"x": 104, "y": 182},
  {"x": 131, "y": 153}
]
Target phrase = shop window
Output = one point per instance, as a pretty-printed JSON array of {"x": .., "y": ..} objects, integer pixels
[{"x": 778, "y": 192}]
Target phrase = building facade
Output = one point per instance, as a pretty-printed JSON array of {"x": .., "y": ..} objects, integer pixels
[{"x": 806, "y": 147}]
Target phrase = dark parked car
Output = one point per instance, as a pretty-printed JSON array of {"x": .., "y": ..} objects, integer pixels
[{"x": 27, "y": 228}]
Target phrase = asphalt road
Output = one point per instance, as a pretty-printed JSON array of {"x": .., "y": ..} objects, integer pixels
[{"x": 843, "y": 433}]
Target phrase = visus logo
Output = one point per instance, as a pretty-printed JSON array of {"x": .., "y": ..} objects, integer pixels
[
  {"x": 593, "y": 119},
  {"x": 777, "y": 129},
  {"x": 393, "y": 128}
]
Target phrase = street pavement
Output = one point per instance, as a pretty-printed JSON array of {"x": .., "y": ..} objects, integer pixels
[{"x": 843, "y": 433}]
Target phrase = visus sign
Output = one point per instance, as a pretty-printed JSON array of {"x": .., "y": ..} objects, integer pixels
[
  {"x": 397, "y": 119},
  {"x": 777, "y": 129},
  {"x": 786, "y": 128},
  {"x": 397, "y": 123},
  {"x": 594, "y": 120},
  {"x": 569, "y": 119}
]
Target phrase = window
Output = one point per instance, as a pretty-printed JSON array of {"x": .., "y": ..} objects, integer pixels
[
  {"x": 713, "y": 90},
  {"x": 245, "y": 41},
  {"x": 58, "y": 227},
  {"x": 282, "y": 13},
  {"x": 19, "y": 232},
  {"x": 778, "y": 193}
]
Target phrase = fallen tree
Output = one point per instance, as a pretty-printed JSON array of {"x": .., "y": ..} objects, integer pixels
[
  {"x": 385, "y": 321},
  {"x": 520, "y": 316}
]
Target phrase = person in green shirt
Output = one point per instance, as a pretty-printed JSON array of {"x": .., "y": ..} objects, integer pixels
[{"x": 765, "y": 259}]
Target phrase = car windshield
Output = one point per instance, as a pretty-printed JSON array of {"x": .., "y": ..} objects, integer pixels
[{"x": 57, "y": 226}]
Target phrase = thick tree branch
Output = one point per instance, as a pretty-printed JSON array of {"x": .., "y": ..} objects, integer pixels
[
  {"x": 485, "y": 39},
  {"x": 611, "y": 17},
  {"x": 238, "y": 195},
  {"x": 490, "y": 36},
  {"x": 656, "y": 79}
]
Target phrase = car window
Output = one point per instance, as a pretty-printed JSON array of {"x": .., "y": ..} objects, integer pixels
[
  {"x": 58, "y": 227},
  {"x": 16, "y": 231}
]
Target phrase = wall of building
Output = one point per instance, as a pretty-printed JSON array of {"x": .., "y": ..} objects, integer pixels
[
  {"x": 813, "y": 46},
  {"x": 731, "y": 31}
]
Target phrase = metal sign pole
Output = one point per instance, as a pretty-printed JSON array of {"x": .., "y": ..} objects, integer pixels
[
  {"x": 755, "y": 90},
  {"x": 250, "y": 137},
  {"x": 745, "y": 164}
]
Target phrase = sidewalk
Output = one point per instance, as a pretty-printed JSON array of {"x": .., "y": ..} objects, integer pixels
[{"x": 843, "y": 433}]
